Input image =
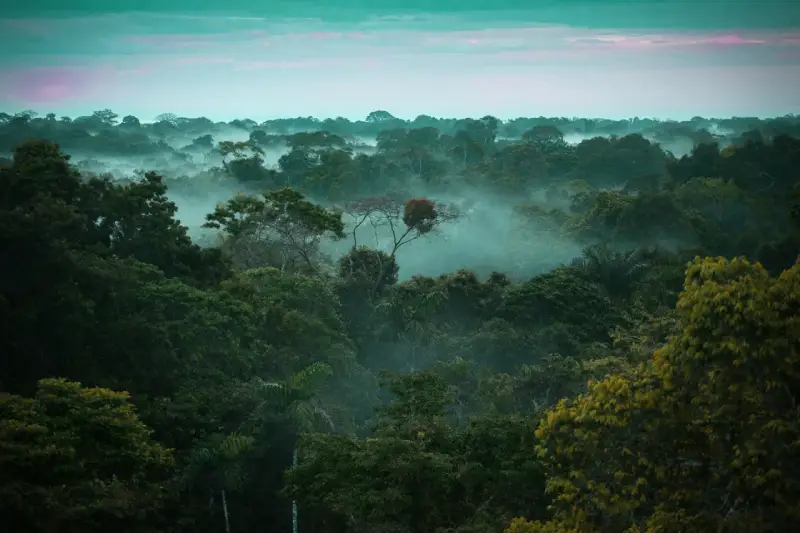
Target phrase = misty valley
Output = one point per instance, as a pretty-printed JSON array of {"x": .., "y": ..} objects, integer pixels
[{"x": 437, "y": 325}]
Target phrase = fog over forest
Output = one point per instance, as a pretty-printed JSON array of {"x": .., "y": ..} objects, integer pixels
[
  {"x": 186, "y": 153},
  {"x": 437, "y": 325}
]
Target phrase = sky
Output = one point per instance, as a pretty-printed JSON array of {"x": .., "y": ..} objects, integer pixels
[{"x": 326, "y": 58}]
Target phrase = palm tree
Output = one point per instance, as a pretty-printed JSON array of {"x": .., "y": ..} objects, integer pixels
[
  {"x": 297, "y": 401},
  {"x": 218, "y": 465},
  {"x": 617, "y": 272}
]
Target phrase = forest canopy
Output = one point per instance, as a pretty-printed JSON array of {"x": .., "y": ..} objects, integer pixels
[{"x": 403, "y": 326}]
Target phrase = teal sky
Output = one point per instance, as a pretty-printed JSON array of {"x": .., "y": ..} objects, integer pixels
[{"x": 616, "y": 58}]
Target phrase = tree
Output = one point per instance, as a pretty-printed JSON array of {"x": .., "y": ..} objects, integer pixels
[
  {"x": 392, "y": 140},
  {"x": 520, "y": 165},
  {"x": 204, "y": 141},
  {"x": 334, "y": 175},
  {"x": 560, "y": 296},
  {"x": 138, "y": 220},
  {"x": 314, "y": 141},
  {"x": 420, "y": 216},
  {"x": 364, "y": 268},
  {"x": 478, "y": 135},
  {"x": 468, "y": 146},
  {"x": 238, "y": 150},
  {"x": 248, "y": 160},
  {"x": 379, "y": 116},
  {"x": 281, "y": 221},
  {"x": 702, "y": 438},
  {"x": 297, "y": 400},
  {"x": 296, "y": 165},
  {"x": 262, "y": 138},
  {"x": 106, "y": 117},
  {"x": 414, "y": 148},
  {"x": 129, "y": 121},
  {"x": 298, "y": 315},
  {"x": 548, "y": 139},
  {"x": 77, "y": 459},
  {"x": 410, "y": 309},
  {"x": 617, "y": 272},
  {"x": 418, "y": 472},
  {"x": 218, "y": 466},
  {"x": 170, "y": 118}
]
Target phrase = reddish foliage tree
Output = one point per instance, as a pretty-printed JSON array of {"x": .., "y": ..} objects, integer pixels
[{"x": 420, "y": 214}]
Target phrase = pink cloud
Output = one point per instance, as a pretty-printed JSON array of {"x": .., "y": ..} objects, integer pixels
[
  {"x": 53, "y": 84},
  {"x": 299, "y": 46},
  {"x": 681, "y": 40},
  {"x": 203, "y": 60},
  {"x": 326, "y": 35},
  {"x": 532, "y": 55},
  {"x": 284, "y": 64},
  {"x": 732, "y": 40},
  {"x": 556, "y": 37}
]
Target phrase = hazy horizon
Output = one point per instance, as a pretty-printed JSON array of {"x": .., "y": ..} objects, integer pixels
[{"x": 309, "y": 59}]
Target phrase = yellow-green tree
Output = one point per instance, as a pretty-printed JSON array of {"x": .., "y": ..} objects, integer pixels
[
  {"x": 76, "y": 459},
  {"x": 705, "y": 436}
]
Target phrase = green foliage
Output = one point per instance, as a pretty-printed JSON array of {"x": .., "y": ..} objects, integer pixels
[
  {"x": 703, "y": 437},
  {"x": 588, "y": 397},
  {"x": 368, "y": 269},
  {"x": 280, "y": 229},
  {"x": 618, "y": 273},
  {"x": 281, "y": 208},
  {"x": 77, "y": 458},
  {"x": 419, "y": 473},
  {"x": 137, "y": 220},
  {"x": 218, "y": 464},
  {"x": 299, "y": 314},
  {"x": 559, "y": 296}
]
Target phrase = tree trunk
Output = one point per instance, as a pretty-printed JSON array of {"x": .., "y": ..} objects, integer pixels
[
  {"x": 225, "y": 512},
  {"x": 294, "y": 502}
]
